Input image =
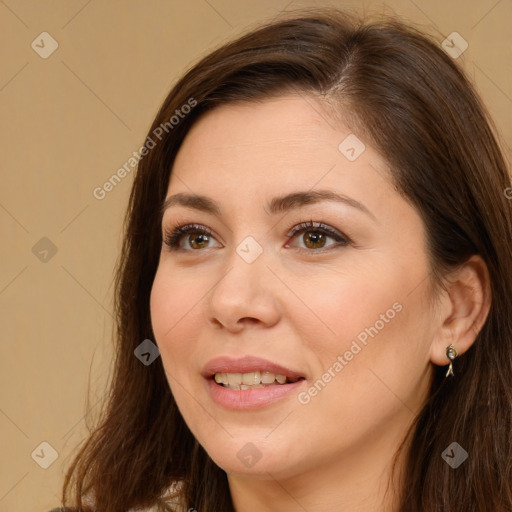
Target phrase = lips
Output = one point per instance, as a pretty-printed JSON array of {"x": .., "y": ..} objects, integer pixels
[{"x": 247, "y": 364}]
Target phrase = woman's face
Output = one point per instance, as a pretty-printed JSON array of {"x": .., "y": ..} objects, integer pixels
[{"x": 345, "y": 311}]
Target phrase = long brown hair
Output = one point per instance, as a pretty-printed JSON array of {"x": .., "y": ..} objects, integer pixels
[{"x": 402, "y": 93}]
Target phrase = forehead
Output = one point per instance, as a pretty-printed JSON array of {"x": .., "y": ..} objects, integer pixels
[{"x": 278, "y": 142}]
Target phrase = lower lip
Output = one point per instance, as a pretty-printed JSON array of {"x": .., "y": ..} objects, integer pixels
[{"x": 248, "y": 399}]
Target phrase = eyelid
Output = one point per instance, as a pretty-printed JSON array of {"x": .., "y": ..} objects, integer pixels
[{"x": 319, "y": 225}]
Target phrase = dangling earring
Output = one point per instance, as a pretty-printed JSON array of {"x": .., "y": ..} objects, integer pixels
[{"x": 451, "y": 354}]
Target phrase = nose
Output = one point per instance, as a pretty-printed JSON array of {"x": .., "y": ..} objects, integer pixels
[{"x": 246, "y": 293}]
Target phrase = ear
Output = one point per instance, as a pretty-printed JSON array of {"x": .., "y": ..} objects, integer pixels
[{"x": 464, "y": 307}]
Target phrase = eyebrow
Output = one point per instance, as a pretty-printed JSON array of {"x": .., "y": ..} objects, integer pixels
[{"x": 275, "y": 206}]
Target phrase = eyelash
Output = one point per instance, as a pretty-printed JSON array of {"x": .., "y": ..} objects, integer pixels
[{"x": 172, "y": 236}]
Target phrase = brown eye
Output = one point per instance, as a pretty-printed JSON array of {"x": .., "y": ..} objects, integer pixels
[
  {"x": 315, "y": 241},
  {"x": 315, "y": 236},
  {"x": 198, "y": 237},
  {"x": 198, "y": 241}
]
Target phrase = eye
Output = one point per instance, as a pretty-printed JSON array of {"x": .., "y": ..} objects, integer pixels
[
  {"x": 197, "y": 237},
  {"x": 315, "y": 235}
]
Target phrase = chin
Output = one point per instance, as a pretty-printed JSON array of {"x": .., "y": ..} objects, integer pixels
[{"x": 254, "y": 456}]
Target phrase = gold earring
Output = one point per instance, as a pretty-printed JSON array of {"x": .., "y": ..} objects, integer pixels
[{"x": 451, "y": 354}]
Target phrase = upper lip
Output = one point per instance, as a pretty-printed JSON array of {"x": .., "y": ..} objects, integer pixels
[{"x": 246, "y": 364}]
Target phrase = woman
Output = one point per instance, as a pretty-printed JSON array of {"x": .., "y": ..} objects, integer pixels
[{"x": 313, "y": 299}]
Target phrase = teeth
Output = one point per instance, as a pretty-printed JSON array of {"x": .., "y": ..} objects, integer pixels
[
  {"x": 250, "y": 380},
  {"x": 267, "y": 378},
  {"x": 234, "y": 379}
]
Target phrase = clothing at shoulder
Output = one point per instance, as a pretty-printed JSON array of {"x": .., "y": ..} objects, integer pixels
[
  {"x": 63, "y": 509},
  {"x": 175, "y": 502},
  {"x": 152, "y": 509}
]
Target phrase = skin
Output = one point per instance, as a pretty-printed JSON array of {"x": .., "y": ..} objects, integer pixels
[{"x": 302, "y": 307}]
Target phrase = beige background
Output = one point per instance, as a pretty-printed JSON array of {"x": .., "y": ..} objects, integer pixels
[{"x": 67, "y": 123}]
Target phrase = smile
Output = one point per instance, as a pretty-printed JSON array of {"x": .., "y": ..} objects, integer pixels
[{"x": 252, "y": 380}]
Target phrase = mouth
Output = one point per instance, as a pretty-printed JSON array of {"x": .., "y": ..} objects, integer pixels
[
  {"x": 249, "y": 371},
  {"x": 250, "y": 397},
  {"x": 252, "y": 380}
]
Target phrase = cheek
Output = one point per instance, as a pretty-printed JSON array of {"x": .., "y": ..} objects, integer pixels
[
  {"x": 342, "y": 304},
  {"x": 175, "y": 310},
  {"x": 376, "y": 320},
  {"x": 174, "y": 318}
]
